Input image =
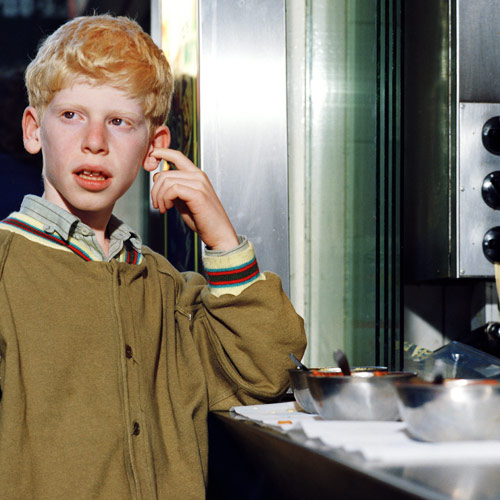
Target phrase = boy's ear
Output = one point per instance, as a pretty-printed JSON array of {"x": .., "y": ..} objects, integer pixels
[
  {"x": 31, "y": 131},
  {"x": 160, "y": 140}
]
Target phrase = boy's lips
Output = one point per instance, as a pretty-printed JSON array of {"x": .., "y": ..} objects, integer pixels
[{"x": 92, "y": 179}]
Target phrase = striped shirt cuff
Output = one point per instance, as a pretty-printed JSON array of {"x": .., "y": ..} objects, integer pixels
[{"x": 231, "y": 272}]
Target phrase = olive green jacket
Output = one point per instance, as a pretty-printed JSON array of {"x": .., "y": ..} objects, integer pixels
[{"x": 108, "y": 370}]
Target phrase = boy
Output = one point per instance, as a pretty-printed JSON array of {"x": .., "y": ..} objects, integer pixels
[{"x": 110, "y": 358}]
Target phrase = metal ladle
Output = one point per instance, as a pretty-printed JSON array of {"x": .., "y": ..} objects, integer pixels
[{"x": 341, "y": 360}]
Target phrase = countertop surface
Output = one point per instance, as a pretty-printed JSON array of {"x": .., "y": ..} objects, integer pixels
[{"x": 261, "y": 458}]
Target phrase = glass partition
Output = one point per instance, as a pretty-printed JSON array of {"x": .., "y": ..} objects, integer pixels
[{"x": 347, "y": 250}]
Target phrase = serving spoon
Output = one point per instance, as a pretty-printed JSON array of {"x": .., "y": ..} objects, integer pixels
[
  {"x": 341, "y": 359},
  {"x": 298, "y": 364}
]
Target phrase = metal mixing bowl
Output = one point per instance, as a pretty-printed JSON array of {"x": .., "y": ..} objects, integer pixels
[
  {"x": 300, "y": 386},
  {"x": 363, "y": 395},
  {"x": 457, "y": 410},
  {"x": 298, "y": 382}
]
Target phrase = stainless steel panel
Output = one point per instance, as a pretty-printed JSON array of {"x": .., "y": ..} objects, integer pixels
[
  {"x": 479, "y": 50},
  {"x": 475, "y": 216},
  {"x": 243, "y": 141}
]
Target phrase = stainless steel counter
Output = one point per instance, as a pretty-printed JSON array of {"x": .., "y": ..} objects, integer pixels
[{"x": 250, "y": 461}]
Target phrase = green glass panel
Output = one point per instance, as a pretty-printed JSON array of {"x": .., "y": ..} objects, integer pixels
[{"x": 354, "y": 116}]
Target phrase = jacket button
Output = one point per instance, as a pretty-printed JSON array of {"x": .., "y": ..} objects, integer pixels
[
  {"x": 137, "y": 429},
  {"x": 128, "y": 352}
]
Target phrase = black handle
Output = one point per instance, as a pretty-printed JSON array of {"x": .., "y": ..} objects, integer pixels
[
  {"x": 491, "y": 244},
  {"x": 491, "y": 135},
  {"x": 490, "y": 190}
]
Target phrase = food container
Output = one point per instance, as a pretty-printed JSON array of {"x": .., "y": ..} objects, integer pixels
[
  {"x": 298, "y": 383},
  {"x": 363, "y": 395},
  {"x": 456, "y": 410},
  {"x": 300, "y": 386}
]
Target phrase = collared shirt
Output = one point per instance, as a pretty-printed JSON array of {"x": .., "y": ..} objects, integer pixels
[{"x": 43, "y": 220}]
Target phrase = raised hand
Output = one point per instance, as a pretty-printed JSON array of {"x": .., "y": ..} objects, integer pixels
[{"x": 190, "y": 191}]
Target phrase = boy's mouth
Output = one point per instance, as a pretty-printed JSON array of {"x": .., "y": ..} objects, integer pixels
[
  {"x": 92, "y": 180},
  {"x": 92, "y": 175}
]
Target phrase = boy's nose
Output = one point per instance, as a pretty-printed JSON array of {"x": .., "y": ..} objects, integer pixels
[{"x": 95, "y": 139}]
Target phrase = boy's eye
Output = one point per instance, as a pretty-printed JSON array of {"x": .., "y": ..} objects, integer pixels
[
  {"x": 118, "y": 121},
  {"x": 69, "y": 114}
]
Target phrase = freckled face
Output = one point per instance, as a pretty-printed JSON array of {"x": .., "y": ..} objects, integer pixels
[{"x": 94, "y": 140}]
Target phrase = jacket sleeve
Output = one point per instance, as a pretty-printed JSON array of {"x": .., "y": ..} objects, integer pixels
[{"x": 243, "y": 341}]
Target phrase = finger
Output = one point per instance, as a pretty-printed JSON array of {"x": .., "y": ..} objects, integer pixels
[
  {"x": 158, "y": 188},
  {"x": 163, "y": 202},
  {"x": 162, "y": 194},
  {"x": 183, "y": 177},
  {"x": 176, "y": 195},
  {"x": 196, "y": 179},
  {"x": 181, "y": 161},
  {"x": 166, "y": 189}
]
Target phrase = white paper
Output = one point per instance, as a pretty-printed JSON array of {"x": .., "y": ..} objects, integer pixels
[
  {"x": 282, "y": 415},
  {"x": 378, "y": 443},
  {"x": 388, "y": 443}
]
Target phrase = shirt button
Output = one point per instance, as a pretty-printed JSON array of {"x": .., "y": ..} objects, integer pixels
[
  {"x": 48, "y": 228},
  {"x": 137, "y": 429},
  {"x": 128, "y": 352},
  {"x": 85, "y": 231}
]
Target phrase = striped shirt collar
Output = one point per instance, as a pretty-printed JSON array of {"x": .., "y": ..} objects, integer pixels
[{"x": 69, "y": 226}]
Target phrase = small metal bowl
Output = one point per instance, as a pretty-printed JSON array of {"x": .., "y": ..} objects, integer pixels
[
  {"x": 298, "y": 383},
  {"x": 456, "y": 410},
  {"x": 364, "y": 395}
]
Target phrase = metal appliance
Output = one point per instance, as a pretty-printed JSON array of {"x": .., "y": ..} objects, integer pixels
[{"x": 452, "y": 138}]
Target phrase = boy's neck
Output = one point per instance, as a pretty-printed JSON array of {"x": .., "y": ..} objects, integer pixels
[{"x": 102, "y": 239}]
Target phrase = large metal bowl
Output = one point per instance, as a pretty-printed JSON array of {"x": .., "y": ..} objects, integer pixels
[
  {"x": 360, "y": 396},
  {"x": 300, "y": 386},
  {"x": 457, "y": 410}
]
